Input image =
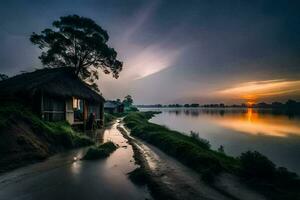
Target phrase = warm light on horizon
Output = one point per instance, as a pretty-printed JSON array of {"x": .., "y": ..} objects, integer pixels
[{"x": 252, "y": 91}]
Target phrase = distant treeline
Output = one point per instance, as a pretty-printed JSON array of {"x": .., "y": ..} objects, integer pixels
[{"x": 290, "y": 104}]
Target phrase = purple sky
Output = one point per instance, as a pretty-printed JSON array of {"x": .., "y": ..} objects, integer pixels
[{"x": 175, "y": 51}]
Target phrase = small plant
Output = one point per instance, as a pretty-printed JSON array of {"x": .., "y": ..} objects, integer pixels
[
  {"x": 138, "y": 176},
  {"x": 221, "y": 149},
  {"x": 108, "y": 118},
  {"x": 101, "y": 151},
  {"x": 202, "y": 142}
]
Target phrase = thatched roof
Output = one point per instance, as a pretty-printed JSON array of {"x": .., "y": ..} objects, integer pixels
[{"x": 60, "y": 82}]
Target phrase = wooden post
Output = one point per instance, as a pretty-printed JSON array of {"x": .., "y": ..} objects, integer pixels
[
  {"x": 102, "y": 114},
  {"x": 42, "y": 106},
  {"x": 84, "y": 114}
]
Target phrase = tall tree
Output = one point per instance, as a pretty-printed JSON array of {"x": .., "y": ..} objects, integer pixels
[
  {"x": 80, "y": 43},
  {"x": 128, "y": 101},
  {"x": 3, "y": 77}
]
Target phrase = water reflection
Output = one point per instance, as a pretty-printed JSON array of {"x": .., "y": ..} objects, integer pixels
[
  {"x": 251, "y": 121},
  {"x": 274, "y": 133}
]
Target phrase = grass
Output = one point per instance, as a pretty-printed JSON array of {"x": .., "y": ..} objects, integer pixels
[
  {"x": 109, "y": 118},
  {"x": 192, "y": 151},
  {"x": 25, "y": 138},
  {"x": 252, "y": 167},
  {"x": 55, "y": 132},
  {"x": 100, "y": 151},
  {"x": 139, "y": 176}
]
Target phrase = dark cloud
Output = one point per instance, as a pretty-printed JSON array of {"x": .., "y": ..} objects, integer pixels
[{"x": 170, "y": 49}]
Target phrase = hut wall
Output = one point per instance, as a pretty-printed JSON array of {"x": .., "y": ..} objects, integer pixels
[
  {"x": 69, "y": 111},
  {"x": 102, "y": 113},
  {"x": 53, "y": 109},
  {"x": 94, "y": 109}
]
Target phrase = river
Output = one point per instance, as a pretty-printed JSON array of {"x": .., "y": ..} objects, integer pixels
[{"x": 274, "y": 134}]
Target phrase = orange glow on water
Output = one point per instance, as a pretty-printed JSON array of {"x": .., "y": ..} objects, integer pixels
[{"x": 253, "y": 123}]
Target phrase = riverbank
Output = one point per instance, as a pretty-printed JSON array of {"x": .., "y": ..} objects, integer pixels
[
  {"x": 27, "y": 139},
  {"x": 251, "y": 168},
  {"x": 167, "y": 178}
]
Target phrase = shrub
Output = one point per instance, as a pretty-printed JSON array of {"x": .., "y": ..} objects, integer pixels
[
  {"x": 108, "y": 118},
  {"x": 201, "y": 141},
  {"x": 101, "y": 151},
  {"x": 138, "y": 176},
  {"x": 256, "y": 165}
]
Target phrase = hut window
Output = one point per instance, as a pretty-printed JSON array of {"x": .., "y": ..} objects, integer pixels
[{"x": 76, "y": 103}]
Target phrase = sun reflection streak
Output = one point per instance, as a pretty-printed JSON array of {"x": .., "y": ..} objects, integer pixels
[{"x": 253, "y": 123}]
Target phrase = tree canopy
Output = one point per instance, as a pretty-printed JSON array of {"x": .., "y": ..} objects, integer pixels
[
  {"x": 128, "y": 101},
  {"x": 80, "y": 43},
  {"x": 3, "y": 77}
]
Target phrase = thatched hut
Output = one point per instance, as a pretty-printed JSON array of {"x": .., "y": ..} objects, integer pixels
[
  {"x": 54, "y": 94},
  {"x": 113, "y": 107}
]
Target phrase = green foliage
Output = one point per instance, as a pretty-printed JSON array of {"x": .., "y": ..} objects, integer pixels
[
  {"x": 128, "y": 101},
  {"x": 131, "y": 109},
  {"x": 254, "y": 164},
  {"x": 80, "y": 43},
  {"x": 108, "y": 118},
  {"x": 3, "y": 77},
  {"x": 202, "y": 142},
  {"x": 262, "y": 174},
  {"x": 101, "y": 151},
  {"x": 138, "y": 176},
  {"x": 193, "y": 152},
  {"x": 58, "y": 133},
  {"x": 254, "y": 168}
]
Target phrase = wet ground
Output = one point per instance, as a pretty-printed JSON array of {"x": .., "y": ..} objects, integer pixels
[
  {"x": 186, "y": 184},
  {"x": 59, "y": 177}
]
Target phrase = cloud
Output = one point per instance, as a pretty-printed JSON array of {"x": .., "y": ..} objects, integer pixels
[
  {"x": 141, "y": 54},
  {"x": 150, "y": 60},
  {"x": 261, "y": 89}
]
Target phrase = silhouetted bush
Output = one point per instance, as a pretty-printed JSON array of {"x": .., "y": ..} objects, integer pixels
[
  {"x": 138, "y": 176},
  {"x": 201, "y": 141},
  {"x": 256, "y": 165}
]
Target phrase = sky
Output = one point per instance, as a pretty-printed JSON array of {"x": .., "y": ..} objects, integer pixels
[{"x": 188, "y": 51}]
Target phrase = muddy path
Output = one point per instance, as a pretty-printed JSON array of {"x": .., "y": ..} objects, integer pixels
[
  {"x": 183, "y": 183},
  {"x": 59, "y": 177}
]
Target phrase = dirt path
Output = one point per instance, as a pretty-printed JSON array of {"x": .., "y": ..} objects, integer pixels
[{"x": 183, "y": 182}]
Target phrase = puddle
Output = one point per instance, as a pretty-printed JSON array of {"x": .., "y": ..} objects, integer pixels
[{"x": 59, "y": 177}]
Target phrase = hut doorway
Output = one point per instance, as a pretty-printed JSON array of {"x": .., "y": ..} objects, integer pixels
[{"x": 78, "y": 107}]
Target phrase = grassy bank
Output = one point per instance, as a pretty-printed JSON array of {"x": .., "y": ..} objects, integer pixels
[
  {"x": 252, "y": 167},
  {"x": 25, "y": 138},
  {"x": 193, "y": 152},
  {"x": 109, "y": 119}
]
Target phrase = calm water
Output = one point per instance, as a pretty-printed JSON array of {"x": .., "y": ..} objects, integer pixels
[{"x": 273, "y": 134}]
